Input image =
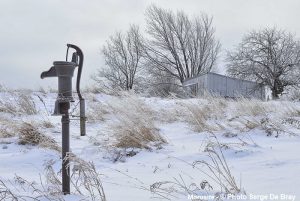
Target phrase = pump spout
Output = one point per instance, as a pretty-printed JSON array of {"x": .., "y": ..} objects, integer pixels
[{"x": 50, "y": 73}]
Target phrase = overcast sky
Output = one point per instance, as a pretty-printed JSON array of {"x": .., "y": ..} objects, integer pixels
[{"x": 34, "y": 33}]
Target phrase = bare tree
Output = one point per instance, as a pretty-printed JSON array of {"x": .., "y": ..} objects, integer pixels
[
  {"x": 269, "y": 56},
  {"x": 122, "y": 55},
  {"x": 179, "y": 46}
]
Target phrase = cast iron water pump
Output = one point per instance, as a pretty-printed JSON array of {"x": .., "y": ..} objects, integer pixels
[{"x": 64, "y": 70}]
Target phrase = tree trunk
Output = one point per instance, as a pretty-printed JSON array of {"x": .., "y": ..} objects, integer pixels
[
  {"x": 277, "y": 89},
  {"x": 275, "y": 94}
]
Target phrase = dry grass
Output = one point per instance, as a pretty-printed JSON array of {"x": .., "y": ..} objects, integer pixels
[
  {"x": 217, "y": 114},
  {"x": 26, "y": 104},
  {"x": 6, "y": 128},
  {"x": 201, "y": 115},
  {"x": 85, "y": 182},
  {"x": 6, "y": 131},
  {"x": 91, "y": 97},
  {"x": 18, "y": 103},
  {"x": 292, "y": 121},
  {"x": 96, "y": 112},
  {"x": 19, "y": 189},
  {"x": 134, "y": 124},
  {"x": 218, "y": 168},
  {"x": 169, "y": 115},
  {"x": 251, "y": 107},
  {"x": 290, "y": 109},
  {"x": 217, "y": 177},
  {"x": 250, "y": 124},
  {"x": 47, "y": 124},
  {"x": 101, "y": 86},
  {"x": 170, "y": 190},
  {"x": 137, "y": 135},
  {"x": 30, "y": 134},
  {"x": 271, "y": 126}
]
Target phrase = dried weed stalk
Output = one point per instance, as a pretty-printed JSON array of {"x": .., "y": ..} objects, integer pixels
[
  {"x": 218, "y": 167},
  {"x": 85, "y": 179}
]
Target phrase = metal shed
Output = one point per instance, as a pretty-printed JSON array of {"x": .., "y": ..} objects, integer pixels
[{"x": 225, "y": 86}]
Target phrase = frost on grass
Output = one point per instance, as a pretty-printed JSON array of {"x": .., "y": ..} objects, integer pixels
[
  {"x": 133, "y": 124},
  {"x": 18, "y": 103},
  {"x": 6, "y": 128},
  {"x": 217, "y": 167},
  {"x": 96, "y": 112},
  {"x": 243, "y": 115},
  {"x": 85, "y": 180},
  {"x": 202, "y": 115},
  {"x": 217, "y": 177},
  {"x": 247, "y": 107},
  {"x": 86, "y": 184}
]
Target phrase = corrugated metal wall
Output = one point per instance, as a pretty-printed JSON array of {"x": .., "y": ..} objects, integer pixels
[{"x": 225, "y": 86}]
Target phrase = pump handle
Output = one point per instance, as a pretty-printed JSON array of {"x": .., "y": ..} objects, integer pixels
[{"x": 81, "y": 57}]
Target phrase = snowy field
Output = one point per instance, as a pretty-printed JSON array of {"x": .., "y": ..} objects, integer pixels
[{"x": 200, "y": 148}]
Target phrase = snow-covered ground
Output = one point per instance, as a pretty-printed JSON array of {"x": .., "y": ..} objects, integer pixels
[{"x": 260, "y": 142}]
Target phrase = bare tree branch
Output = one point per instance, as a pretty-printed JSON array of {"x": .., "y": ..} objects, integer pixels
[
  {"x": 269, "y": 56},
  {"x": 179, "y": 46},
  {"x": 122, "y": 55}
]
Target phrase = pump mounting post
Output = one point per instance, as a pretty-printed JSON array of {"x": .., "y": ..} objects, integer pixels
[{"x": 65, "y": 122}]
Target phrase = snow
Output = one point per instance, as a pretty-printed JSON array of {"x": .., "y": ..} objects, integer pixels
[{"x": 261, "y": 164}]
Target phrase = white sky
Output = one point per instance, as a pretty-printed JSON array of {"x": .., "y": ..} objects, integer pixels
[{"x": 34, "y": 33}]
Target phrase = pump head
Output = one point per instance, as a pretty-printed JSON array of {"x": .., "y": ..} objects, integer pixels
[{"x": 64, "y": 70}]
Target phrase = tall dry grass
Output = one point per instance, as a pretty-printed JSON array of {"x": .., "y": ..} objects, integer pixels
[
  {"x": 218, "y": 114},
  {"x": 97, "y": 112},
  {"x": 29, "y": 134},
  {"x": 218, "y": 168},
  {"x": 133, "y": 125},
  {"x": 18, "y": 103},
  {"x": 217, "y": 177},
  {"x": 203, "y": 114},
  {"x": 251, "y": 107},
  {"x": 6, "y": 128},
  {"x": 86, "y": 184}
]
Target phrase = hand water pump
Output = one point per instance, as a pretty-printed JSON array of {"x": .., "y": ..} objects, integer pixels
[{"x": 64, "y": 70}]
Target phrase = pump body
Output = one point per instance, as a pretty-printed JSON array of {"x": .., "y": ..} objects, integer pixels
[{"x": 64, "y": 71}]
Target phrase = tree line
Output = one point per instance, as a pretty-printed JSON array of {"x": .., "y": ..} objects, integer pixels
[{"x": 176, "y": 47}]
